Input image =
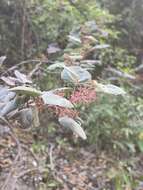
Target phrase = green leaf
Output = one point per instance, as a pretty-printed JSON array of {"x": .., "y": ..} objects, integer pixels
[
  {"x": 53, "y": 99},
  {"x": 2, "y": 59},
  {"x": 73, "y": 125},
  {"x": 131, "y": 146},
  {"x": 74, "y": 39},
  {"x": 140, "y": 145},
  {"x": 21, "y": 77},
  {"x": 102, "y": 46},
  {"x": 110, "y": 89},
  {"x": 75, "y": 74},
  {"x": 56, "y": 65},
  {"x": 10, "y": 106},
  {"x": 26, "y": 91}
]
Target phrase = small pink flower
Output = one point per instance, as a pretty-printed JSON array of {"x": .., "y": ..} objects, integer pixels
[
  {"x": 83, "y": 95},
  {"x": 61, "y": 111}
]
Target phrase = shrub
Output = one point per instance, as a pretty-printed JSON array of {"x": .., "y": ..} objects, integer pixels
[{"x": 115, "y": 123}]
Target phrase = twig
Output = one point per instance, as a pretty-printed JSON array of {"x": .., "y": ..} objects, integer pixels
[
  {"x": 26, "y": 172},
  {"x": 24, "y": 20},
  {"x": 51, "y": 157},
  {"x": 32, "y": 154},
  {"x": 35, "y": 69},
  {"x": 120, "y": 73},
  {"x": 25, "y": 62}
]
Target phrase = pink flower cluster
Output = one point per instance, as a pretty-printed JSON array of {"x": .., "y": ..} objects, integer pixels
[
  {"x": 84, "y": 95},
  {"x": 60, "y": 112}
]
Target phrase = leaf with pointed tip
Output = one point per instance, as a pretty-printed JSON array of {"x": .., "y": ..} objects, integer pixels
[
  {"x": 61, "y": 89},
  {"x": 56, "y": 65},
  {"x": 10, "y": 106},
  {"x": 110, "y": 89},
  {"x": 2, "y": 59},
  {"x": 75, "y": 74},
  {"x": 69, "y": 74},
  {"x": 74, "y": 39},
  {"x": 11, "y": 81},
  {"x": 53, "y": 99},
  {"x": 26, "y": 91},
  {"x": 102, "y": 46},
  {"x": 3, "y": 92},
  {"x": 53, "y": 48},
  {"x": 6, "y": 95},
  {"x": 73, "y": 125},
  {"x": 21, "y": 77}
]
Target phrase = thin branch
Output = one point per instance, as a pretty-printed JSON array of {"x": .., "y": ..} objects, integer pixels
[
  {"x": 32, "y": 154},
  {"x": 35, "y": 69},
  {"x": 120, "y": 73},
  {"x": 25, "y": 62},
  {"x": 26, "y": 172},
  {"x": 51, "y": 157}
]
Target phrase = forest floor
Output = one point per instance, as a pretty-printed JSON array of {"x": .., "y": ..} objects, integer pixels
[{"x": 31, "y": 160}]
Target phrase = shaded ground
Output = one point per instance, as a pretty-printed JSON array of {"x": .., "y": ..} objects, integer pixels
[{"x": 47, "y": 161}]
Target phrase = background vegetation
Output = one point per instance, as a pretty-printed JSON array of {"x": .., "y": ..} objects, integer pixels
[{"x": 54, "y": 31}]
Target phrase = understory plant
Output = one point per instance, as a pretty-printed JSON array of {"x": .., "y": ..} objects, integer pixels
[
  {"x": 115, "y": 123},
  {"x": 108, "y": 114},
  {"x": 79, "y": 87}
]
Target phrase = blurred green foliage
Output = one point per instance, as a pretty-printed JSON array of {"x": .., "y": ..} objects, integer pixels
[
  {"x": 115, "y": 123},
  {"x": 128, "y": 22},
  {"x": 28, "y": 27}
]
